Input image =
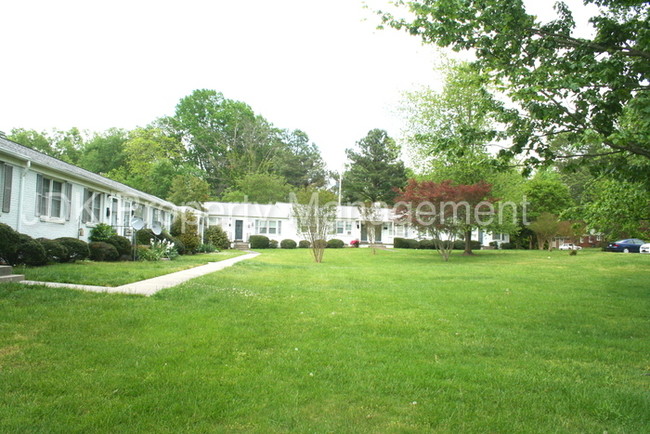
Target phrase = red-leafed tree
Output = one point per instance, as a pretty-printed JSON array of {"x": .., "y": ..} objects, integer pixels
[{"x": 445, "y": 210}]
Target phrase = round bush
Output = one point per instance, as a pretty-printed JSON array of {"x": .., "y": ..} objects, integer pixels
[
  {"x": 9, "y": 239},
  {"x": 216, "y": 236},
  {"x": 122, "y": 244},
  {"x": 259, "y": 242},
  {"x": 206, "y": 248},
  {"x": 77, "y": 249},
  {"x": 101, "y": 251},
  {"x": 273, "y": 244},
  {"x": 405, "y": 243},
  {"x": 426, "y": 244},
  {"x": 304, "y": 244},
  {"x": 335, "y": 243},
  {"x": 56, "y": 252},
  {"x": 288, "y": 244},
  {"x": 28, "y": 251},
  {"x": 101, "y": 232},
  {"x": 143, "y": 237}
]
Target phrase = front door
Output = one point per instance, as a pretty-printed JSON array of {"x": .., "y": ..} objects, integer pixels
[
  {"x": 378, "y": 233},
  {"x": 239, "y": 230}
]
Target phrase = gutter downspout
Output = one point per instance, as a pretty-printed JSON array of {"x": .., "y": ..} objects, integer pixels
[{"x": 21, "y": 195}]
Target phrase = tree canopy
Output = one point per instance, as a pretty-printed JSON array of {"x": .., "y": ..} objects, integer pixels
[{"x": 594, "y": 91}]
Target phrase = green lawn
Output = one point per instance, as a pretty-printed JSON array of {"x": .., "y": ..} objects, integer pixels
[
  {"x": 505, "y": 341},
  {"x": 117, "y": 273}
]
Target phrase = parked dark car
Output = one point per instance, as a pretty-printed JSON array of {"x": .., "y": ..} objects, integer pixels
[{"x": 631, "y": 245}]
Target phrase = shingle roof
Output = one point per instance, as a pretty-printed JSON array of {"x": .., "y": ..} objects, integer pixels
[{"x": 67, "y": 169}]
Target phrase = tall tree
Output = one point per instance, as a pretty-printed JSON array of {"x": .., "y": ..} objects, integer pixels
[
  {"x": 374, "y": 170},
  {"x": 258, "y": 188},
  {"x": 224, "y": 138},
  {"x": 64, "y": 145},
  {"x": 104, "y": 151},
  {"x": 300, "y": 161},
  {"x": 315, "y": 214},
  {"x": 449, "y": 131},
  {"x": 594, "y": 90}
]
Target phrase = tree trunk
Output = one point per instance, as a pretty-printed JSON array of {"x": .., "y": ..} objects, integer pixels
[{"x": 468, "y": 243}]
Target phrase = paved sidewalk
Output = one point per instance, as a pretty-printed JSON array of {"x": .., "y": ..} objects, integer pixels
[{"x": 151, "y": 286}]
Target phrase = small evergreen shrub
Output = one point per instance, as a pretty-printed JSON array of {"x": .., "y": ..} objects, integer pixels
[
  {"x": 206, "y": 248},
  {"x": 56, "y": 252},
  {"x": 304, "y": 244},
  {"x": 405, "y": 243},
  {"x": 288, "y": 244},
  {"x": 185, "y": 228},
  {"x": 508, "y": 246},
  {"x": 9, "y": 239},
  {"x": 101, "y": 232},
  {"x": 178, "y": 245},
  {"x": 122, "y": 244},
  {"x": 273, "y": 244},
  {"x": 77, "y": 249},
  {"x": 144, "y": 237},
  {"x": 101, "y": 251},
  {"x": 216, "y": 236},
  {"x": 335, "y": 243},
  {"x": 427, "y": 245},
  {"x": 259, "y": 242},
  {"x": 28, "y": 251}
]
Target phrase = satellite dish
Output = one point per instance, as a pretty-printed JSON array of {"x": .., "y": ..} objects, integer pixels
[
  {"x": 156, "y": 228},
  {"x": 137, "y": 223}
]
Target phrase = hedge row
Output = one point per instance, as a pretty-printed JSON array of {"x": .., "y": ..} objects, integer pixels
[
  {"x": 406, "y": 243},
  {"x": 263, "y": 242}
]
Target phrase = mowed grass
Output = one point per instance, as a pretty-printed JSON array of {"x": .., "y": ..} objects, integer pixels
[
  {"x": 395, "y": 342},
  {"x": 117, "y": 273}
]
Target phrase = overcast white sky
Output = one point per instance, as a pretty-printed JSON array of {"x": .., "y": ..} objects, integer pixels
[{"x": 321, "y": 67}]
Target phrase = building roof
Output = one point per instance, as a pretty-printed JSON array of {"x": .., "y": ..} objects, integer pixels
[{"x": 66, "y": 169}]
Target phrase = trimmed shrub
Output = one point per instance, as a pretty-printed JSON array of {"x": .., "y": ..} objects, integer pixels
[
  {"x": 273, "y": 244},
  {"x": 405, "y": 243},
  {"x": 28, "y": 251},
  {"x": 77, "y": 249},
  {"x": 460, "y": 245},
  {"x": 144, "y": 237},
  {"x": 206, "y": 248},
  {"x": 9, "y": 239},
  {"x": 185, "y": 228},
  {"x": 304, "y": 244},
  {"x": 101, "y": 251},
  {"x": 122, "y": 244},
  {"x": 335, "y": 243},
  {"x": 288, "y": 244},
  {"x": 178, "y": 245},
  {"x": 216, "y": 236},
  {"x": 427, "y": 245},
  {"x": 101, "y": 232},
  {"x": 259, "y": 242},
  {"x": 508, "y": 246},
  {"x": 56, "y": 252}
]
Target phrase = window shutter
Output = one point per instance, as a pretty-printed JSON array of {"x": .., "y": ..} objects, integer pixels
[
  {"x": 85, "y": 213},
  {"x": 68, "y": 200},
  {"x": 2, "y": 177},
  {"x": 6, "y": 197},
  {"x": 39, "y": 195}
]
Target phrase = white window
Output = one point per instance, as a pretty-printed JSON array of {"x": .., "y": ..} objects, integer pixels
[
  {"x": 52, "y": 198},
  {"x": 270, "y": 227},
  {"x": 126, "y": 213},
  {"x": 400, "y": 230},
  {"x": 343, "y": 227},
  {"x": 92, "y": 209},
  {"x": 6, "y": 178}
]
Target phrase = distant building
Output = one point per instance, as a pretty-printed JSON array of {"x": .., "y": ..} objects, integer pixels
[{"x": 42, "y": 196}]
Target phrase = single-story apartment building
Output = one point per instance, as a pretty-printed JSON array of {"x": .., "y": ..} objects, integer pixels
[{"x": 42, "y": 196}]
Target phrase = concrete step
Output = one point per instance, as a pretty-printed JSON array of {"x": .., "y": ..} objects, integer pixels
[
  {"x": 12, "y": 278},
  {"x": 241, "y": 245},
  {"x": 6, "y": 270}
]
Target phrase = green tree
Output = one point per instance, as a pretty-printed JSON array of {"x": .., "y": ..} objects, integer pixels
[
  {"x": 104, "y": 152},
  {"x": 593, "y": 90},
  {"x": 64, "y": 145},
  {"x": 258, "y": 188},
  {"x": 449, "y": 131},
  {"x": 546, "y": 193},
  {"x": 300, "y": 161},
  {"x": 188, "y": 189},
  {"x": 374, "y": 169},
  {"x": 545, "y": 227},
  {"x": 225, "y": 138},
  {"x": 315, "y": 213}
]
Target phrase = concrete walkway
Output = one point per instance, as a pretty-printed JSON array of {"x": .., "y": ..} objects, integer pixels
[{"x": 151, "y": 286}]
